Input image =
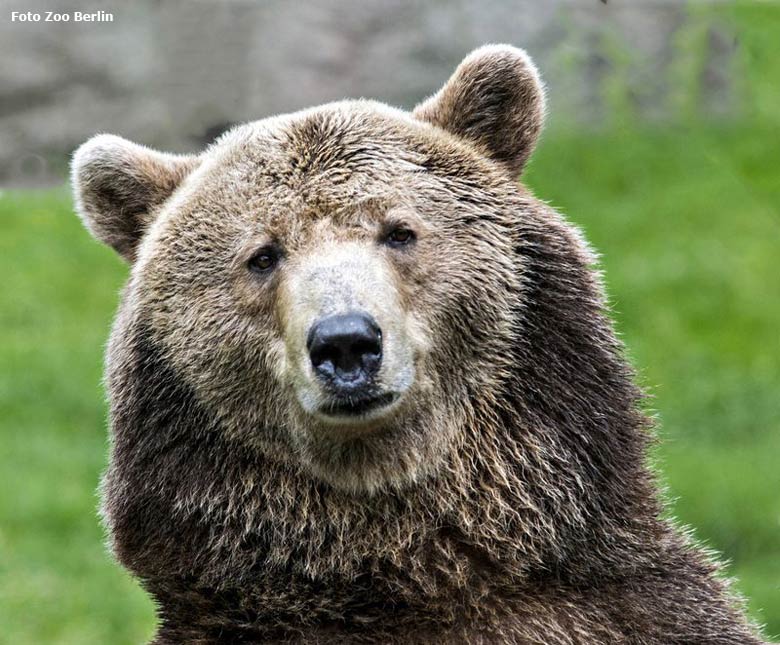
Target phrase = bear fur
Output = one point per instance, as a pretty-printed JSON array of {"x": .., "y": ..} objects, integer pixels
[{"x": 503, "y": 497}]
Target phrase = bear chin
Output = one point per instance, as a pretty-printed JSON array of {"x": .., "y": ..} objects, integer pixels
[
  {"x": 392, "y": 451},
  {"x": 364, "y": 414},
  {"x": 353, "y": 415}
]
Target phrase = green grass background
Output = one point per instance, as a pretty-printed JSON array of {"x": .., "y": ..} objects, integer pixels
[{"x": 687, "y": 217}]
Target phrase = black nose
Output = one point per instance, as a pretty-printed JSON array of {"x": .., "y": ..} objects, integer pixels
[{"x": 346, "y": 350}]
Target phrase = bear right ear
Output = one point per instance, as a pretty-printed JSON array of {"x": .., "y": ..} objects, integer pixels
[
  {"x": 495, "y": 100},
  {"x": 118, "y": 186}
]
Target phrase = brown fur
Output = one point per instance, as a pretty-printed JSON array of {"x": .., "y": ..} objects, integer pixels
[{"x": 504, "y": 499}]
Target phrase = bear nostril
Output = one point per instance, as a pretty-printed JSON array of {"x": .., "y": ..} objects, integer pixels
[
  {"x": 324, "y": 359},
  {"x": 345, "y": 349}
]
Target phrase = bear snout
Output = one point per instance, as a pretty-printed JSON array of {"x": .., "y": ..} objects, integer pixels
[{"x": 345, "y": 352}]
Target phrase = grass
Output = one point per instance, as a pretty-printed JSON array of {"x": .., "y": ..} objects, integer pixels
[{"x": 57, "y": 585}]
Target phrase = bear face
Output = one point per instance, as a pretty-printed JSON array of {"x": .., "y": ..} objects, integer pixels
[{"x": 336, "y": 283}]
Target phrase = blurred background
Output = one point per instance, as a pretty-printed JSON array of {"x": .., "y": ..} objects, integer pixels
[{"x": 663, "y": 144}]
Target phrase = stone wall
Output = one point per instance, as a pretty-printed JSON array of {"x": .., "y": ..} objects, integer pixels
[{"x": 172, "y": 74}]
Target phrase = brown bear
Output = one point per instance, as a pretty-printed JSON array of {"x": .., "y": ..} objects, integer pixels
[{"x": 364, "y": 389}]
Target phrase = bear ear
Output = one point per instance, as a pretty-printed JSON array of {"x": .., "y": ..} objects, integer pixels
[
  {"x": 118, "y": 186},
  {"x": 495, "y": 99}
]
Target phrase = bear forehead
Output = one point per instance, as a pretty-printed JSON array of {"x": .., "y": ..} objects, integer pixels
[
  {"x": 341, "y": 151},
  {"x": 352, "y": 162}
]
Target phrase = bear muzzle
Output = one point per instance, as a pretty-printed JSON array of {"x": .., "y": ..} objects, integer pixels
[{"x": 346, "y": 352}]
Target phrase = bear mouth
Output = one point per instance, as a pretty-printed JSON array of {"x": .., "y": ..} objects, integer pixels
[{"x": 357, "y": 406}]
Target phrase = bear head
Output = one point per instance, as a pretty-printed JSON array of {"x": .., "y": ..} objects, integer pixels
[{"x": 337, "y": 286}]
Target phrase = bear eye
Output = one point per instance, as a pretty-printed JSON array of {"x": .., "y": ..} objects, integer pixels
[
  {"x": 264, "y": 260},
  {"x": 400, "y": 236}
]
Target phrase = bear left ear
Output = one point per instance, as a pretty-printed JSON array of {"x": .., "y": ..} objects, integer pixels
[
  {"x": 495, "y": 99},
  {"x": 119, "y": 186}
]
